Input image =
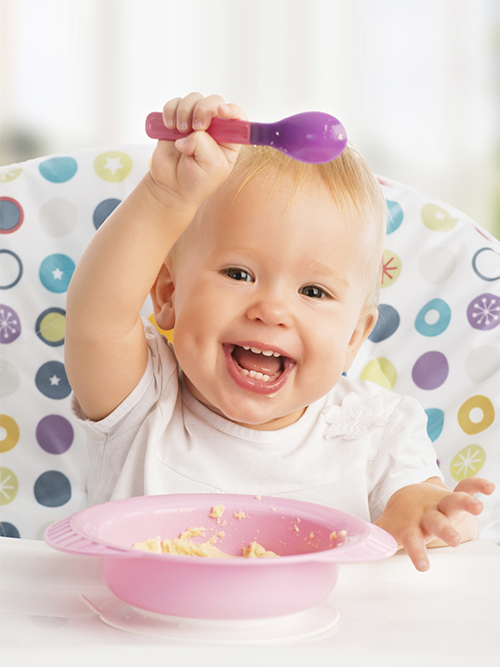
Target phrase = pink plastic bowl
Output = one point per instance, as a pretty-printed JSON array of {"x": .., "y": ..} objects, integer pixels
[{"x": 242, "y": 588}]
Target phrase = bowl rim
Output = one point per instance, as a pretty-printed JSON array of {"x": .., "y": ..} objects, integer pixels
[{"x": 169, "y": 502}]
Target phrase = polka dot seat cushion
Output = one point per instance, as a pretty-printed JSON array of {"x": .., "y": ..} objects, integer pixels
[
  {"x": 437, "y": 337},
  {"x": 49, "y": 210}
]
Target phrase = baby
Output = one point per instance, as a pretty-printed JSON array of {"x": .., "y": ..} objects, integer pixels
[{"x": 269, "y": 269}]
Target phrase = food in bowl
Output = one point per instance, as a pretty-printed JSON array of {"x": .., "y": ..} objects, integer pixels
[{"x": 184, "y": 546}]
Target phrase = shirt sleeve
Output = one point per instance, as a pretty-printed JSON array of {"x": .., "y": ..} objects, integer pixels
[
  {"x": 111, "y": 439},
  {"x": 405, "y": 455}
]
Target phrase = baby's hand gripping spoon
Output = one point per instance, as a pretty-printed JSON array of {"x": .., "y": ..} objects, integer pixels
[{"x": 311, "y": 136}]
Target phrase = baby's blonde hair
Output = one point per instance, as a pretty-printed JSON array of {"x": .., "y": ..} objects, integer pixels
[
  {"x": 352, "y": 185},
  {"x": 354, "y": 190}
]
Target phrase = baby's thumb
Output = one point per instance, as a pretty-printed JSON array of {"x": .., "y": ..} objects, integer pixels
[{"x": 198, "y": 145}]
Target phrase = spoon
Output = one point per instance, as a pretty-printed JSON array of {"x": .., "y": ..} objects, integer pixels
[{"x": 311, "y": 136}]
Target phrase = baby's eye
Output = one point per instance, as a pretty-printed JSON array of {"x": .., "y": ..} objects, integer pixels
[
  {"x": 313, "y": 292},
  {"x": 238, "y": 274}
]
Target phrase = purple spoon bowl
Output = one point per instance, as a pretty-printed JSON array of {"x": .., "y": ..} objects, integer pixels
[{"x": 312, "y": 136}]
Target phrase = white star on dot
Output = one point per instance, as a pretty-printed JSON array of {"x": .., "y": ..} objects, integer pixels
[
  {"x": 467, "y": 462},
  {"x": 440, "y": 215},
  {"x": 8, "y": 174},
  {"x": 5, "y": 487},
  {"x": 58, "y": 274},
  {"x": 54, "y": 381},
  {"x": 113, "y": 164}
]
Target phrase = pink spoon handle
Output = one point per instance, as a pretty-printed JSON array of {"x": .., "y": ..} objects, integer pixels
[
  {"x": 221, "y": 129},
  {"x": 311, "y": 136}
]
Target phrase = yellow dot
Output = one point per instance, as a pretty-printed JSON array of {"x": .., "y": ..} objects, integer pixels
[
  {"x": 437, "y": 219},
  {"x": 8, "y": 174},
  {"x": 169, "y": 335},
  {"x": 8, "y": 486},
  {"x": 53, "y": 327},
  {"x": 381, "y": 371},
  {"x": 482, "y": 404},
  {"x": 468, "y": 462},
  {"x": 10, "y": 432},
  {"x": 113, "y": 166},
  {"x": 391, "y": 268}
]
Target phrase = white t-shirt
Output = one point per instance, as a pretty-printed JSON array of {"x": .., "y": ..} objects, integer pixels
[{"x": 350, "y": 450}]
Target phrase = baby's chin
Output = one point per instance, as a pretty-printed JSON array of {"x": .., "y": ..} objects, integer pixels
[
  {"x": 275, "y": 423},
  {"x": 251, "y": 417}
]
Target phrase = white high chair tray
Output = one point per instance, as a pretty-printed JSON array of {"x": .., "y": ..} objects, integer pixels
[{"x": 389, "y": 614}]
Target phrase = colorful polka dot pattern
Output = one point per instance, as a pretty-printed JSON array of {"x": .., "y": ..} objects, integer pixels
[
  {"x": 438, "y": 333},
  {"x": 49, "y": 210},
  {"x": 437, "y": 337}
]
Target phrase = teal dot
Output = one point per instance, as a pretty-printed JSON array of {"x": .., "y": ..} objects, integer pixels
[
  {"x": 56, "y": 272},
  {"x": 394, "y": 215},
  {"x": 58, "y": 169},
  {"x": 435, "y": 422},
  {"x": 433, "y": 318}
]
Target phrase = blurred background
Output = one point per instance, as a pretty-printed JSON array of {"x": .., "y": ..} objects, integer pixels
[{"x": 415, "y": 82}]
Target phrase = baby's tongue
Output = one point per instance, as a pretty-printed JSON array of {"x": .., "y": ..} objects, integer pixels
[{"x": 256, "y": 362}]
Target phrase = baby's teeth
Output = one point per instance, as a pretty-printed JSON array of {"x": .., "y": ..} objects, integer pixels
[
  {"x": 266, "y": 353},
  {"x": 244, "y": 371},
  {"x": 258, "y": 376}
]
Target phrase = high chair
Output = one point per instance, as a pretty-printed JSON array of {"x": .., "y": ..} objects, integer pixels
[{"x": 437, "y": 337}]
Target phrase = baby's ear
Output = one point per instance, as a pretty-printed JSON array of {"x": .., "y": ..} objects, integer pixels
[
  {"x": 162, "y": 295},
  {"x": 364, "y": 327}
]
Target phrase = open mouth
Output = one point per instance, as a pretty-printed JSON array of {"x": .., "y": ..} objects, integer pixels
[{"x": 262, "y": 370}]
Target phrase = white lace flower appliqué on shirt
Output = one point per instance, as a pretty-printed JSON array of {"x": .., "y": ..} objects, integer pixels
[{"x": 354, "y": 418}]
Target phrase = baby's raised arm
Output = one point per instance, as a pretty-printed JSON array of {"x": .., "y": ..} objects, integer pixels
[{"x": 105, "y": 347}]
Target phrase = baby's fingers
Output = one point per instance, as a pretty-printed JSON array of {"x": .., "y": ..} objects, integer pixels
[
  {"x": 414, "y": 545},
  {"x": 453, "y": 503},
  {"x": 474, "y": 485},
  {"x": 179, "y": 112},
  {"x": 211, "y": 106},
  {"x": 436, "y": 524},
  {"x": 231, "y": 110}
]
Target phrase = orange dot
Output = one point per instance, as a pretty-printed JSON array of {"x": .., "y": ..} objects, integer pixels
[
  {"x": 169, "y": 335},
  {"x": 10, "y": 431},
  {"x": 481, "y": 405}
]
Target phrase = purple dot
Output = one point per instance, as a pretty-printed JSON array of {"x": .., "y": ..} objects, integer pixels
[
  {"x": 10, "y": 325},
  {"x": 483, "y": 312},
  {"x": 430, "y": 370},
  {"x": 54, "y": 434}
]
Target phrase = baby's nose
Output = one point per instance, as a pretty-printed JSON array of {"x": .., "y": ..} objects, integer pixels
[{"x": 271, "y": 310}]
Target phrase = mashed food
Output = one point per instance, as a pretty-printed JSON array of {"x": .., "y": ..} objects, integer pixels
[{"x": 184, "y": 545}]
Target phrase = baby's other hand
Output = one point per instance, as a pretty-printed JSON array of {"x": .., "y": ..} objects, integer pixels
[
  {"x": 188, "y": 171},
  {"x": 431, "y": 514}
]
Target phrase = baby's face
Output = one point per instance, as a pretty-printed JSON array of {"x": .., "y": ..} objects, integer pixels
[{"x": 269, "y": 302}]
